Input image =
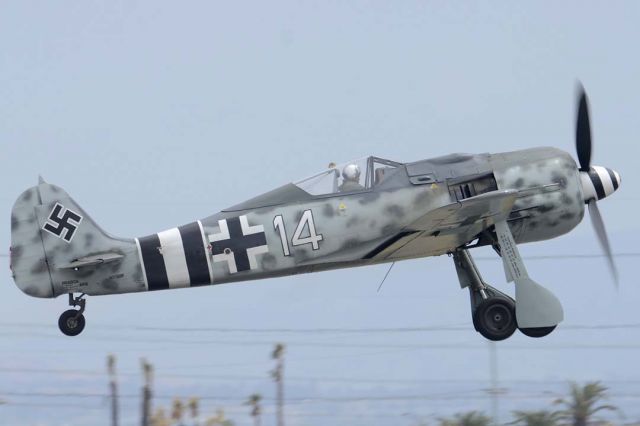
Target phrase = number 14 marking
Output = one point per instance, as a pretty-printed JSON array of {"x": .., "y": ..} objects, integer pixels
[{"x": 306, "y": 221}]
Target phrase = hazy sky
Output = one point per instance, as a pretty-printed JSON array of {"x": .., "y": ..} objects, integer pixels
[{"x": 152, "y": 114}]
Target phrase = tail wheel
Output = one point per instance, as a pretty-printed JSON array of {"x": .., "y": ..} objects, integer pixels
[
  {"x": 495, "y": 318},
  {"x": 71, "y": 322}
]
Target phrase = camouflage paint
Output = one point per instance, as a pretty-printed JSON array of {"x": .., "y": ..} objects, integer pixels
[{"x": 549, "y": 204}]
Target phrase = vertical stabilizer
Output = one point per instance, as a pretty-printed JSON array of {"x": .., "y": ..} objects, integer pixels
[{"x": 57, "y": 248}]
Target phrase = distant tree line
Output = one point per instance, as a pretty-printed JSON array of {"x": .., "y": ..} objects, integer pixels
[{"x": 579, "y": 408}]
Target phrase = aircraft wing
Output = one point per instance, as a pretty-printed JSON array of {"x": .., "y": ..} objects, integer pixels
[
  {"x": 491, "y": 206},
  {"x": 448, "y": 227}
]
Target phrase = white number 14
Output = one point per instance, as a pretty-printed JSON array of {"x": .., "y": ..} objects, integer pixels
[{"x": 306, "y": 222}]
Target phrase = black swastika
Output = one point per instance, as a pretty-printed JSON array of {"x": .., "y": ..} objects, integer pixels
[{"x": 67, "y": 223}]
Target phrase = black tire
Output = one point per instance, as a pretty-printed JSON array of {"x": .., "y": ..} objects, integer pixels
[
  {"x": 537, "y": 332},
  {"x": 69, "y": 324},
  {"x": 495, "y": 318}
]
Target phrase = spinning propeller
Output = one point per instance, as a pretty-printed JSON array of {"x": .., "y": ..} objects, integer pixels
[{"x": 597, "y": 182}]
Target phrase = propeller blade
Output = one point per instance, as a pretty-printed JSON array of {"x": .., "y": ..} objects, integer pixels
[
  {"x": 601, "y": 232},
  {"x": 583, "y": 132}
]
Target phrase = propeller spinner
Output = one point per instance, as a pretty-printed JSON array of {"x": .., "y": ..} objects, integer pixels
[{"x": 597, "y": 182}]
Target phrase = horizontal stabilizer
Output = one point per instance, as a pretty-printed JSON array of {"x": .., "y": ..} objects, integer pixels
[{"x": 97, "y": 259}]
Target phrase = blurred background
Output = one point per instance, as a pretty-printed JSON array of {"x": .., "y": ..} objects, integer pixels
[{"x": 152, "y": 114}]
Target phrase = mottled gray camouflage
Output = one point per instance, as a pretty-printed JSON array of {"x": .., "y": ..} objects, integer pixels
[{"x": 410, "y": 214}]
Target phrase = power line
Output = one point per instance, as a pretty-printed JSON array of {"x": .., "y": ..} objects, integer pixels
[
  {"x": 435, "y": 346},
  {"x": 306, "y": 331},
  {"x": 233, "y": 410},
  {"x": 240, "y": 410},
  {"x": 565, "y": 256},
  {"x": 223, "y": 377},
  {"x": 303, "y": 330},
  {"x": 51, "y": 405},
  {"x": 368, "y": 330},
  {"x": 454, "y": 396},
  {"x": 366, "y": 345}
]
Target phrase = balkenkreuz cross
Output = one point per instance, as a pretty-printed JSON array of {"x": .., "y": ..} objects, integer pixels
[{"x": 238, "y": 244}]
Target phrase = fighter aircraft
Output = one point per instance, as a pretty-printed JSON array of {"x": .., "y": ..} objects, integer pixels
[{"x": 364, "y": 212}]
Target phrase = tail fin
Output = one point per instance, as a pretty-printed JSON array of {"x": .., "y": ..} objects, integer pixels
[{"x": 57, "y": 248}]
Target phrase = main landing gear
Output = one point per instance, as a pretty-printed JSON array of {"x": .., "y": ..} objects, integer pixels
[
  {"x": 72, "y": 321},
  {"x": 493, "y": 312}
]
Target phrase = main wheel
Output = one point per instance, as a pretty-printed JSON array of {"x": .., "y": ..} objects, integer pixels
[
  {"x": 495, "y": 318},
  {"x": 69, "y": 324}
]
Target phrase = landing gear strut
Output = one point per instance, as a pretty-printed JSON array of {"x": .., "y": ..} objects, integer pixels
[
  {"x": 493, "y": 312},
  {"x": 72, "y": 322}
]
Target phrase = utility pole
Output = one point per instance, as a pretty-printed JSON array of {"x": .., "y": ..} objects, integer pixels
[
  {"x": 277, "y": 374},
  {"x": 147, "y": 371},
  {"x": 256, "y": 410},
  {"x": 494, "y": 391},
  {"x": 113, "y": 385}
]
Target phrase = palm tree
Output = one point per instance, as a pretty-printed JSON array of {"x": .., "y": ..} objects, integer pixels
[
  {"x": 254, "y": 402},
  {"x": 193, "y": 405},
  {"x": 159, "y": 418},
  {"x": 536, "y": 418},
  {"x": 177, "y": 412},
  {"x": 470, "y": 418},
  {"x": 583, "y": 402},
  {"x": 219, "y": 420}
]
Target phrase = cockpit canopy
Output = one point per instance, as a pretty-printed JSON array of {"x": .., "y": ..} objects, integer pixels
[{"x": 352, "y": 176}]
